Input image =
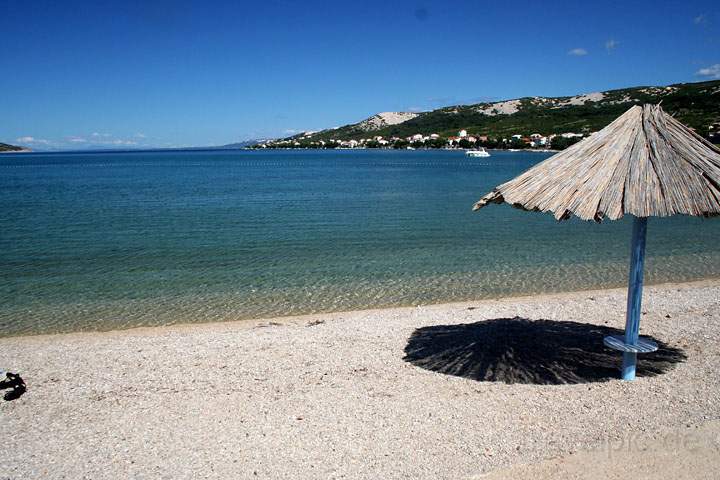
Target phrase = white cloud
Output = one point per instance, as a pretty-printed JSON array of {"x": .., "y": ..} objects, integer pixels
[
  {"x": 713, "y": 71},
  {"x": 92, "y": 140},
  {"x": 611, "y": 44},
  {"x": 578, "y": 52},
  {"x": 292, "y": 131},
  {"x": 700, "y": 19},
  {"x": 29, "y": 139},
  {"x": 96, "y": 139},
  {"x": 109, "y": 139}
]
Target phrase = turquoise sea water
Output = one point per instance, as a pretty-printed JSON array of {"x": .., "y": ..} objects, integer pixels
[{"x": 101, "y": 241}]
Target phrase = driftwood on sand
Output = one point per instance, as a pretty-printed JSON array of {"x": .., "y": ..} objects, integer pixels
[{"x": 645, "y": 163}]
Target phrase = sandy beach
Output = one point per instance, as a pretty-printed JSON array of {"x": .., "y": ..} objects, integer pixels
[{"x": 508, "y": 387}]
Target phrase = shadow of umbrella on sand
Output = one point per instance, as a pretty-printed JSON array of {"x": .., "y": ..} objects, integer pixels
[
  {"x": 520, "y": 350},
  {"x": 644, "y": 164}
]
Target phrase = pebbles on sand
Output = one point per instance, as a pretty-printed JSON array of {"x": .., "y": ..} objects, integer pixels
[{"x": 350, "y": 395}]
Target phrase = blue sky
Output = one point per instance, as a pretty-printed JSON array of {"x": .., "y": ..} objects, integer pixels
[{"x": 181, "y": 73}]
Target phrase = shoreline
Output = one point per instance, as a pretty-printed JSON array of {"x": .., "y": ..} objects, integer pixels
[
  {"x": 251, "y": 149},
  {"x": 301, "y": 318},
  {"x": 426, "y": 393}
]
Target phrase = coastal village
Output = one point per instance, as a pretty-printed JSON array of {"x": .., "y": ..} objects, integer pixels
[{"x": 462, "y": 140}]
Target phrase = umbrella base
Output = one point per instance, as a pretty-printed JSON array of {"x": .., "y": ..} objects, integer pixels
[
  {"x": 617, "y": 342},
  {"x": 630, "y": 351}
]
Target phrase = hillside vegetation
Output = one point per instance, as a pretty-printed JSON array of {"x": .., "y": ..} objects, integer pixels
[{"x": 695, "y": 104}]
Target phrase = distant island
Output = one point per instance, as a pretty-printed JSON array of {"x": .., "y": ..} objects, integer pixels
[
  {"x": 4, "y": 147},
  {"x": 523, "y": 123}
]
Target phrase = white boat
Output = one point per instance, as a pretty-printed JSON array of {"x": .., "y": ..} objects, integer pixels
[{"x": 478, "y": 152}]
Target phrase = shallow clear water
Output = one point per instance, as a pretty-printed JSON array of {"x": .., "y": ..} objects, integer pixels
[{"x": 112, "y": 240}]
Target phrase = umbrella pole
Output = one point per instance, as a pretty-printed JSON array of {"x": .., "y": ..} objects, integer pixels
[{"x": 635, "y": 286}]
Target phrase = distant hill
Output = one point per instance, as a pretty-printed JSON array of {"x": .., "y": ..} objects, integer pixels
[
  {"x": 4, "y": 147},
  {"x": 243, "y": 144},
  {"x": 695, "y": 104}
]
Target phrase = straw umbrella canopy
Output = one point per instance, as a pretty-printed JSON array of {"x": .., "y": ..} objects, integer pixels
[{"x": 645, "y": 163}]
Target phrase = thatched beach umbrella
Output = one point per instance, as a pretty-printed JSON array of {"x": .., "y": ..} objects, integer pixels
[{"x": 644, "y": 164}]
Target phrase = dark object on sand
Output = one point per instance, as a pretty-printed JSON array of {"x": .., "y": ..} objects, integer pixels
[
  {"x": 14, "y": 382},
  {"x": 521, "y": 350}
]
